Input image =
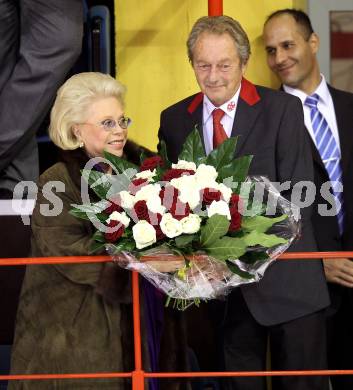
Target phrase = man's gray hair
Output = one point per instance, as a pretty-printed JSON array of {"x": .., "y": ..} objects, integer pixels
[{"x": 220, "y": 25}]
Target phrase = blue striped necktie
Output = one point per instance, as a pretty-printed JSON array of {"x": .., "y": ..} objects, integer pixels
[{"x": 329, "y": 152}]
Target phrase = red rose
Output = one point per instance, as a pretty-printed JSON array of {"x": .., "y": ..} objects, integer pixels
[
  {"x": 136, "y": 185},
  {"x": 235, "y": 222},
  {"x": 117, "y": 231},
  {"x": 179, "y": 210},
  {"x": 154, "y": 218},
  {"x": 235, "y": 201},
  {"x": 151, "y": 163},
  {"x": 141, "y": 210},
  {"x": 209, "y": 195},
  {"x": 168, "y": 195},
  {"x": 176, "y": 173},
  {"x": 159, "y": 234},
  {"x": 114, "y": 206}
]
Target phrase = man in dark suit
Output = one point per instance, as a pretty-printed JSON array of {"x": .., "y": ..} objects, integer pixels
[
  {"x": 291, "y": 46},
  {"x": 40, "y": 40},
  {"x": 287, "y": 305}
]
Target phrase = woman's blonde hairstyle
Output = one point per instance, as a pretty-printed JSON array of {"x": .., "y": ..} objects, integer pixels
[{"x": 73, "y": 100}]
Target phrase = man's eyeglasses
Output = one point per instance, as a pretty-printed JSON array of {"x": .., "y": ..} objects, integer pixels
[{"x": 111, "y": 124}]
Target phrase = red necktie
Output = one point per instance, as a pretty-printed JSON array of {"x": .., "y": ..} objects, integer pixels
[{"x": 219, "y": 135}]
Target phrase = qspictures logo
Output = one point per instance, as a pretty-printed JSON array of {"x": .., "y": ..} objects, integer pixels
[{"x": 255, "y": 192}]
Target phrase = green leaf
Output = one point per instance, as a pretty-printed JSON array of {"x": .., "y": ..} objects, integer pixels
[
  {"x": 102, "y": 217},
  {"x": 124, "y": 244},
  {"x": 89, "y": 210},
  {"x": 121, "y": 164},
  {"x": 98, "y": 236},
  {"x": 215, "y": 227},
  {"x": 143, "y": 156},
  {"x": 120, "y": 182},
  {"x": 98, "y": 181},
  {"x": 96, "y": 247},
  {"x": 236, "y": 270},
  {"x": 184, "y": 240},
  {"x": 237, "y": 170},
  {"x": 260, "y": 223},
  {"x": 159, "y": 174},
  {"x": 223, "y": 155},
  {"x": 79, "y": 214},
  {"x": 227, "y": 248},
  {"x": 252, "y": 197},
  {"x": 253, "y": 256},
  {"x": 163, "y": 153},
  {"x": 94, "y": 208},
  {"x": 193, "y": 149},
  {"x": 263, "y": 239}
]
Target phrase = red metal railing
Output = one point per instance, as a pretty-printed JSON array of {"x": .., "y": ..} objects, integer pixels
[{"x": 138, "y": 375}]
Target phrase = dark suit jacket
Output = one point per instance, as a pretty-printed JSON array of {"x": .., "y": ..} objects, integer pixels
[
  {"x": 270, "y": 127},
  {"x": 326, "y": 228}
]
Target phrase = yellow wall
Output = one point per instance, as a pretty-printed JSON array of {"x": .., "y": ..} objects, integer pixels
[{"x": 151, "y": 53}]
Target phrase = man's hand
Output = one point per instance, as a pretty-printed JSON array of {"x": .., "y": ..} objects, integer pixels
[{"x": 339, "y": 271}]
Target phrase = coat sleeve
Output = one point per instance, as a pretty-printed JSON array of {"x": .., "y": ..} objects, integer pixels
[{"x": 61, "y": 234}]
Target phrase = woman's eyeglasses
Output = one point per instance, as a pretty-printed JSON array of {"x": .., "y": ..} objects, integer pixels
[{"x": 111, "y": 124}]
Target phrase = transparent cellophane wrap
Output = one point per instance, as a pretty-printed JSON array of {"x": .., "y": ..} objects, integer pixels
[{"x": 200, "y": 276}]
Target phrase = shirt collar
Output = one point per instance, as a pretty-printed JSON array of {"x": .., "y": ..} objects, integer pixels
[
  {"x": 228, "y": 107},
  {"x": 321, "y": 90}
]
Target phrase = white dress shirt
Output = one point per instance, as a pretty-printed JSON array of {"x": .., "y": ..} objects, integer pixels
[
  {"x": 325, "y": 106},
  {"x": 227, "y": 121}
]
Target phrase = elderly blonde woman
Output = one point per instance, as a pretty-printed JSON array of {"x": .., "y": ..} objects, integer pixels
[{"x": 77, "y": 318}]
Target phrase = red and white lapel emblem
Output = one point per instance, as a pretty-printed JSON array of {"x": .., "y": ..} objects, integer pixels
[{"x": 230, "y": 106}]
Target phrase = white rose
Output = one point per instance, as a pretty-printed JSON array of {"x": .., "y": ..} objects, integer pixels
[
  {"x": 182, "y": 164},
  {"x": 208, "y": 171},
  {"x": 121, "y": 217},
  {"x": 203, "y": 182},
  {"x": 226, "y": 192},
  {"x": 188, "y": 190},
  {"x": 183, "y": 182},
  {"x": 191, "y": 224},
  {"x": 219, "y": 207},
  {"x": 144, "y": 234},
  {"x": 148, "y": 192},
  {"x": 127, "y": 200},
  {"x": 190, "y": 196},
  {"x": 155, "y": 205},
  {"x": 147, "y": 174},
  {"x": 170, "y": 226}
]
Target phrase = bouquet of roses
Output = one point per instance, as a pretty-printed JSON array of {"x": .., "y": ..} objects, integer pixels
[{"x": 194, "y": 229}]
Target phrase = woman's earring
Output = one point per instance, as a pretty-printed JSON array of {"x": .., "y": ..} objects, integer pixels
[{"x": 81, "y": 144}]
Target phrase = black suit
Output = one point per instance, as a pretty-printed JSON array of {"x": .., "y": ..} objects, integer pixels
[
  {"x": 40, "y": 42},
  {"x": 326, "y": 228},
  {"x": 270, "y": 127},
  {"x": 340, "y": 316}
]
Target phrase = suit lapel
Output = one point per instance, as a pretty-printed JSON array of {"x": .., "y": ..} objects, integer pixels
[
  {"x": 315, "y": 153},
  {"x": 245, "y": 116},
  {"x": 248, "y": 109},
  {"x": 344, "y": 125},
  {"x": 195, "y": 116}
]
